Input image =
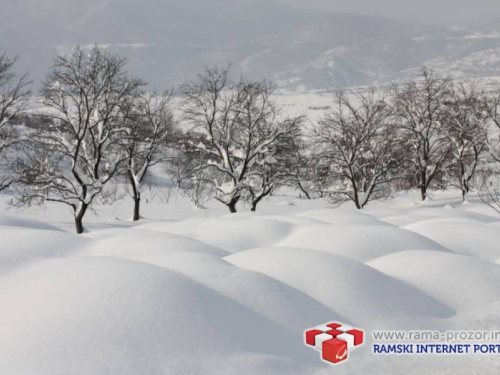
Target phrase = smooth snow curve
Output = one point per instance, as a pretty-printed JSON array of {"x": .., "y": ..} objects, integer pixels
[{"x": 234, "y": 294}]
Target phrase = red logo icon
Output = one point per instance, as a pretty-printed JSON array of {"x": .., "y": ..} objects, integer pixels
[{"x": 334, "y": 340}]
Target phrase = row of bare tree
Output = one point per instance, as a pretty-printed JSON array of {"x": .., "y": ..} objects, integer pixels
[
  {"x": 429, "y": 132},
  {"x": 93, "y": 124}
]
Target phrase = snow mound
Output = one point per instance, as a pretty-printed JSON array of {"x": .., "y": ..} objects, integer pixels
[
  {"x": 298, "y": 220},
  {"x": 234, "y": 294},
  {"x": 468, "y": 238},
  {"x": 231, "y": 233},
  {"x": 447, "y": 213},
  {"x": 450, "y": 278},
  {"x": 452, "y": 219},
  {"x": 17, "y": 241},
  {"x": 403, "y": 219},
  {"x": 132, "y": 318},
  {"x": 266, "y": 296},
  {"x": 171, "y": 226},
  {"x": 359, "y": 242},
  {"x": 146, "y": 242},
  {"x": 12, "y": 221},
  {"x": 343, "y": 216},
  {"x": 332, "y": 279}
]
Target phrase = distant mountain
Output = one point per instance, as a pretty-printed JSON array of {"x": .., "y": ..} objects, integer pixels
[
  {"x": 168, "y": 41},
  {"x": 490, "y": 26}
]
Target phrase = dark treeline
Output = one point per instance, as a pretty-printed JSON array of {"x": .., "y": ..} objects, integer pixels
[{"x": 93, "y": 127}]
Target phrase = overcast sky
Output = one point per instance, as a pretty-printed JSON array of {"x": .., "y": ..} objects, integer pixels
[
  {"x": 431, "y": 11},
  {"x": 442, "y": 12}
]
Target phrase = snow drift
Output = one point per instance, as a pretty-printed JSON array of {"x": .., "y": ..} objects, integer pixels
[{"x": 234, "y": 294}]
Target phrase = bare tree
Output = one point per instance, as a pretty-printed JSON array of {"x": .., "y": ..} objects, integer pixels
[
  {"x": 183, "y": 159},
  {"x": 85, "y": 94},
  {"x": 111, "y": 193},
  {"x": 275, "y": 169},
  {"x": 199, "y": 188},
  {"x": 466, "y": 130},
  {"x": 419, "y": 109},
  {"x": 494, "y": 116},
  {"x": 150, "y": 124},
  {"x": 211, "y": 107},
  {"x": 300, "y": 168},
  {"x": 355, "y": 140},
  {"x": 488, "y": 184},
  {"x": 240, "y": 124},
  {"x": 315, "y": 175},
  {"x": 310, "y": 175},
  {"x": 14, "y": 95}
]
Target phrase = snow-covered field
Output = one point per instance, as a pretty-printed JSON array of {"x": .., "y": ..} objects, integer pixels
[{"x": 232, "y": 294}]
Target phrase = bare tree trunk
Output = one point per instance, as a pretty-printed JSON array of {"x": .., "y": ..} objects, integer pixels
[
  {"x": 136, "y": 196},
  {"x": 463, "y": 181},
  {"x": 423, "y": 185},
  {"x": 303, "y": 190},
  {"x": 255, "y": 202},
  {"x": 79, "y": 218},
  {"x": 466, "y": 188},
  {"x": 177, "y": 190},
  {"x": 355, "y": 194},
  {"x": 423, "y": 192},
  {"x": 137, "y": 207},
  {"x": 369, "y": 192},
  {"x": 232, "y": 205}
]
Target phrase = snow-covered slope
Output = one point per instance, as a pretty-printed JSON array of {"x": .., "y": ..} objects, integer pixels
[{"x": 233, "y": 294}]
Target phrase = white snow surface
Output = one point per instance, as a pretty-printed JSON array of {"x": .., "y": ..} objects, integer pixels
[{"x": 233, "y": 294}]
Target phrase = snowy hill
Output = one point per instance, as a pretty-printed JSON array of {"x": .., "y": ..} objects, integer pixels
[
  {"x": 234, "y": 294},
  {"x": 169, "y": 41}
]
